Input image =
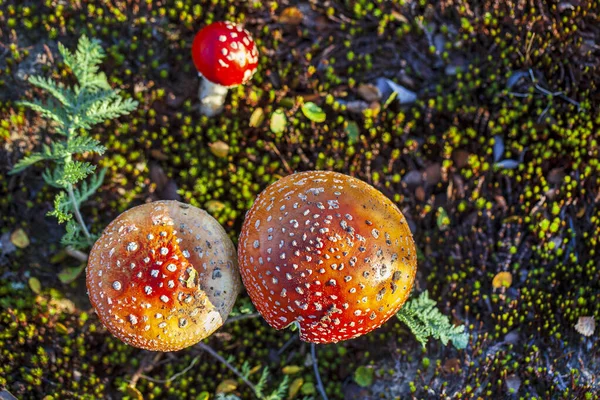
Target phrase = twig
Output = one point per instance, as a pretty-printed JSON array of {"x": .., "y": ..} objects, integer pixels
[
  {"x": 285, "y": 164},
  {"x": 241, "y": 317},
  {"x": 77, "y": 213},
  {"x": 320, "y": 387},
  {"x": 233, "y": 369},
  {"x": 144, "y": 367},
  {"x": 287, "y": 344},
  {"x": 175, "y": 376},
  {"x": 76, "y": 254}
]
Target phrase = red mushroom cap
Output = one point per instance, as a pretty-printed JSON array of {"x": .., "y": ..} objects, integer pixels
[
  {"x": 163, "y": 276},
  {"x": 328, "y": 251},
  {"x": 225, "y": 54}
]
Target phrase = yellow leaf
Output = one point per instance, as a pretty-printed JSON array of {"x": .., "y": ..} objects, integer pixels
[
  {"x": 502, "y": 279},
  {"x": 219, "y": 149},
  {"x": 295, "y": 388},
  {"x": 257, "y": 118},
  {"x": 227, "y": 386},
  {"x": 60, "y": 328},
  {"x": 19, "y": 238},
  {"x": 35, "y": 285},
  {"x": 291, "y": 369}
]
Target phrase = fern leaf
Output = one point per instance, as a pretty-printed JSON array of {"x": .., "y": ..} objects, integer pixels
[
  {"x": 281, "y": 391},
  {"x": 62, "y": 208},
  {"x": 262, "y": 382},
  {"x": 75, "y": 171},
  {"x": 53, "y": 178},
  {"x": 57, "y": 90},
  {"x": 425, "y": 321},
  {"x": 98, "y": 113},
  {"x": 49, "y": 111},
  {"x": 85, "y": 64},
  {"x": 79, "y": 145},
  {"x": 86, "y": 189},
  {"x": 47, "y": 153},
  {"x": 75, "y": 238}
]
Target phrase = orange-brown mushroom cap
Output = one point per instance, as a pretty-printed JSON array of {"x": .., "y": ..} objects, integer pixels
[
  {"x": 329, "y": 252},
  {"x": 163, "y": 276}
]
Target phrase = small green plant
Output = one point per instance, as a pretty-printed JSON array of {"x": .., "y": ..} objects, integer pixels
[
  {"x": 74, "y": 110},
  {"x": 425, "y": 321}
]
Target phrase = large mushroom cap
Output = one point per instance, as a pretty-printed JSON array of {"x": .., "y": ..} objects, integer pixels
[
  {"x": 225, "y": 54},
  {"x": 328, "y": 251},
  {"x": 163, "y": 276}
]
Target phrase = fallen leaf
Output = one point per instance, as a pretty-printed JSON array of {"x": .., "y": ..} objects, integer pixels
[
  {"x": 278, "y": 121},
  {"x": 291, "y": 369},
  {"x": 19, "y": 238},
  {"x": 257, "y": 118},
  {"x": 227, "y": 386},
  {"x": 313, "y": 112},
  {"x": 219, "y": 149},
  {"x": 352, "y": 132},
  {"x": 35, "y": 285},
  {"x": 61, "y": 329},
  {"x": 502, "y": 279},
  {"x": 291, "y": 16},
  {"x": 295, "y": 388},
  {"x": 69, "y": 274},
  {"x": 586, "y": 326},
  {"x": 369, "y": 92}
]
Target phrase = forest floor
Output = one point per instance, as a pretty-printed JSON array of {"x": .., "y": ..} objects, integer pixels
[{"x": 488, "y": 145}]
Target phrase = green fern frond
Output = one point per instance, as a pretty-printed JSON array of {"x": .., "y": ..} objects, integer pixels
[
  {"x": 50, "y": 110},
  {"x": 47, "y": 153},
  {"x": 281, "y": 391},
  {"x": 56, "y": 89},
  {"x": 75, "y": 171},
  {"x": 85, "y": 64},
  {"x": 262, "y": 383},
  {"x": 80, "y": 145},
  {"x": 101, "y": 111},
  {"x": 425, "y": 321},
  {"x": 62, "y": 208},
  {"x": 86, "y": 190},
  {"x": 74, "y": 237}
]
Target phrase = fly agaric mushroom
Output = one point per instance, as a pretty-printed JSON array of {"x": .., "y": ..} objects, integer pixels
[
  {"x": 225, "y": 56},
  {"x": 326, "y": 251},
  {"x": 163, "y": 276}
]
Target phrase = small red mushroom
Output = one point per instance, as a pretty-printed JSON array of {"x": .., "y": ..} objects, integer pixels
[
  {"x": 326, "y": 251},
  {"x": 163, "y": 276},
  {"x": 225, "y": 56}
]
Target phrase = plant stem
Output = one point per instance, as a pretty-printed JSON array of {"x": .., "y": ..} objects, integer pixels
[
  {"x": 320, "y": 387},
  {"x": 233, "y": 369},
  {"x": 77, "y": 213}
]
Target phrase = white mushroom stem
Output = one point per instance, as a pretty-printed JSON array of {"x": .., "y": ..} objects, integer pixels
[{"x": 212, "y": 97}]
